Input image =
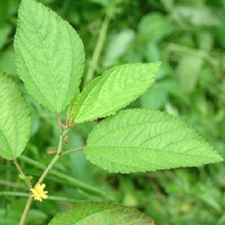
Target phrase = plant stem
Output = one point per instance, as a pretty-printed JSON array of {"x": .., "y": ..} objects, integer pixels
[
  {"x": 14, "y": 193},
  {"x": 46, "y": 171},
  {"x": 18, "y": 167},
  {"x": 98, "y": 49},
  {"x": 71, "y": 180},
  {"x": 26, "y": 210},
  {"x": 61, "y": 125},
  {"x": 10, "y": 184},
  {"x": 28, "y": 183},
  {"x": 54, "y": 160},
  {"x": 72, "y": 151},
  {"x": 52, "y": 197}
]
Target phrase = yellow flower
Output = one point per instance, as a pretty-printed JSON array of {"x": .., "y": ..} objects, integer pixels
[{"x": 38, "y": 192}]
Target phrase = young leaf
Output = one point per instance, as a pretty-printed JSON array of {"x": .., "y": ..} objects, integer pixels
[
  {"x": 116, "y": 88},
  {"x": 14, "y": 119},
  {"x": 97, "y": 213},
  {"x": 146, "y": 140},
  {"x": 49, "y": 55}
]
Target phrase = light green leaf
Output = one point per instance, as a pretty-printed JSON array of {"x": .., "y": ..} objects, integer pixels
[
  {"x": 196, "y": 17},
  {"x": 116, "y": 88},
  {"x": 154, "y": 27},
  {"x": 188, "y": 72},
  {"x": 97, "y": 213},
  {"x": 146, "y": 140},
  {"x": 118, "y": 44},
  {"x": 14, "y": 119},
  {"x": 49, "y": 55}
]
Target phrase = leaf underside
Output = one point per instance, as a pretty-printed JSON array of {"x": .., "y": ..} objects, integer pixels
[
  {"x": 96, "y": 213},
  {"x": 146, "y": 140},
  {"x": 115, "y": 89},
  {"x": 14, "y": 119},
  {"x": 49, "y": 55}
]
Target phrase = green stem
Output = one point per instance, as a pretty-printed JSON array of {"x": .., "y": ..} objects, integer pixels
[
  {"x": 72, "y": 151},
  {"x": 21, "y": 172},
  {"x": 14, "y": 193},
  {"x": 98, "y": 49},
  {"x": 77, "y": 183},
  {"x": 61, "y": 125},
  {"x": 26, "y": 210},
  {"x": 52, "y": 198},
  {"x": 18, "y": 167},
  {"x": 46, "y": 171},
  {"x": 54, "y": 160},
  {"x": 10, "y": 184}
]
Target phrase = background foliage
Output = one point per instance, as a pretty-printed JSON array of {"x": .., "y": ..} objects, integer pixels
[{"x": 188, "y": 37}]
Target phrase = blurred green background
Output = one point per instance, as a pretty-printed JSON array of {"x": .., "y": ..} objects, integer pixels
[{"x": 188, "y": 36}]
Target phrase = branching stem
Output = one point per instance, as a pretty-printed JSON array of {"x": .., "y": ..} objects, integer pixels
[
  {"x": 46, "y": 171},
  {"x": 54, "y": 160},
  {"x": 62, "y": 127}
]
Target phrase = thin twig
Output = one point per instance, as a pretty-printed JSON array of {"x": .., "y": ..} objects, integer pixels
[
  {"x": 57, "y": 156},
  {"x": 28, "y": 183},
  {"x": 72, "y": 150},
  {"x": 18, "y": 167}
]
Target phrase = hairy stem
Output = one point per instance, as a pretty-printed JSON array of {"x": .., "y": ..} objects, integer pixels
[{"x": 98, "y": 49}]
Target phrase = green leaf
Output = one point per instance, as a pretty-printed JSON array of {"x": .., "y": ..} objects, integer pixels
[
  {"x": 25, "y": 178},
  {"x": 96, "y": 213},
  {"x": 116, "y": 88},
  {"x": 49, "y": 55},
  {"x": 189, "y": 64},
  {"x": 196, "y": 17},
  {"x": 118, "y": 44},
  {"x": 146, "y": 140},
  {"x": 14, "y": 119},
  {"x": 154, "y": 27}
]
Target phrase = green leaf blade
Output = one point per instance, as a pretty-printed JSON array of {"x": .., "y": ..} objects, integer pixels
[
  {"x": 49, "y": 55},
  {"x": 116, "y": 88},
  {"x": 146, "y": 140},
  {"x": 97, "y": 213},
  {"x": 14, "y": 120}
]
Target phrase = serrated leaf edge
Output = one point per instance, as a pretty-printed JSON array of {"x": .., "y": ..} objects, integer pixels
[
  {"x": 220, "y": 159},
  {"x": 113, "y": 112}
]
